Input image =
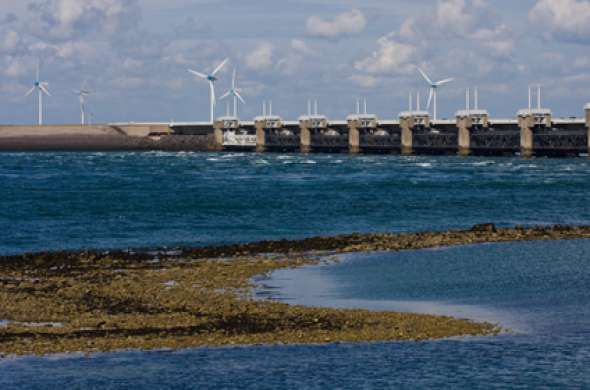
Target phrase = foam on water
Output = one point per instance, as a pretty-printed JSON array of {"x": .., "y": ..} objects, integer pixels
[{"x": 424, "y": 165}]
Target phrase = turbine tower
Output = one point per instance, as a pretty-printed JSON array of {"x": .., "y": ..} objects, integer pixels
[
  {"x": 41, "y": 87},
  {"x": 211, "y": 79},
  {"x": 235, "y": 92},
  {"x": 82, "y": 93},
  {"x": 433, "y": 94}
]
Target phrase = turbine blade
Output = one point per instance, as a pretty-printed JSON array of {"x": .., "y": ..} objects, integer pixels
[
  {"x": 430, "y": 96},
  {"x": 43, "y": 87},
  {"x": 198, "y": 74},
  {"x": 30, "y": 92},
  {"x": 225, "y": 95},
  {"x": 38, "y": 69},
  {"x": 445, "y": 81},
  {"x": 233, "y": 80},
  {"x": 239, "y": 97},
  {"x": 425, "y": 76},
  {"x": 219, "y": 67},
  {"x": 45, "y": 91}
]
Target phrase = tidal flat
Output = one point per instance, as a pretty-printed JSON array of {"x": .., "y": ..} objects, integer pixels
[{"x": 95, "y": 301}]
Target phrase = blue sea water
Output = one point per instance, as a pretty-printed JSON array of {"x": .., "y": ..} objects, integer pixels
[
  {"x": 117, "y": 200},
  {"x": 537, "y": 289},
  {"x": 538, "y": 292}
]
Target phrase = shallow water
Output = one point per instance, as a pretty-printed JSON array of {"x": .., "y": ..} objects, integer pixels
[{"x": 539, "y": 290}]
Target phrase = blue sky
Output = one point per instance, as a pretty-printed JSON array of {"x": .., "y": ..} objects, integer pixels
[{"x": 135, "y": 54}]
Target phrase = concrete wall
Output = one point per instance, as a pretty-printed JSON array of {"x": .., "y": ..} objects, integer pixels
[
  {"x": 57, "y": 130},
  {"x": 100, "y": 137}
]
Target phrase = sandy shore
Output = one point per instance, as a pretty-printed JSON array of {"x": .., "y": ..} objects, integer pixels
[{"x": 104, "y": 301}]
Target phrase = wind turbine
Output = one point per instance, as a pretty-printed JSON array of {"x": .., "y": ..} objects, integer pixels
[
  {"x": 211, "y": 79},
  {"x": 235, "y": 92},
  {"x": 82, "y": 93},
  {"x": 41, "y": 87},
  {"x": 434, "y": 86}
]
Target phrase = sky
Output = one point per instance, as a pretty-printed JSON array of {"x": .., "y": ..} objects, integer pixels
[{"x": 134, "y": 55}]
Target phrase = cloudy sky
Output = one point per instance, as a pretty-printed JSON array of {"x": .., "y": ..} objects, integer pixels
[{"x": 135, "y": 54}]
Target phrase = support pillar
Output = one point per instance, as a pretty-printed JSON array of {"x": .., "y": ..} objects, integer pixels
[
  {"x": 464, "y": 125},
  {"x": 354, "y": 142},
  {"x": 407, "y": 125},
  {"x": 218, "y": 135},
  {"x": 587, "y": 112},
  {"x": 526, "y": 124},
  {"x": 305, "y": 139},
  {"x": 260, "y": 137}
]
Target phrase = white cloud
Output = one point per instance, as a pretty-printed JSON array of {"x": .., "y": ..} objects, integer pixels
[
  {"x": 13, "y": 91},
  {"x": 131, "y": 63},
  {"x": 453, "y": 16},
  {"x": 175, "y": 84},
  {"x": 261, "y": 57},
  {"x": 472, "y": 20},
  {"x": 407, "y": 30},
  {"x": 252, "y": 88},
  {"x": 498, "y": 39},
  {"x": 66, "y": 19},
  {"x": 462, "y": 17},
  {"x": 391, "y": 56},
  {"x": 365, "y": 81},
  {"x": 9, "y": 41},
  {"x": 300, "y": 46},
  {"x": 295, "y": 58},
  {"x": 347, "y": 23},
  {"x": 13, "y": 67},
  {"x": 129, "y": 82},
  {"x": 565, "y": 19},
  {"x": 77, "y": 50},
  {"x": 467, "y": 30}
]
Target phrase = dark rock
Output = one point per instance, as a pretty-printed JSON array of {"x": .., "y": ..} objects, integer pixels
[{"x": 484, "y": 227}]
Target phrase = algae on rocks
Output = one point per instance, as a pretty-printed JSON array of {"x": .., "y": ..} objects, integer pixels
[{"x": 104, "y": 301}]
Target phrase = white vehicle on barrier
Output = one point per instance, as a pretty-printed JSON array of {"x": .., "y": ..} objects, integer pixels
[{"x": 233, "y": 138}]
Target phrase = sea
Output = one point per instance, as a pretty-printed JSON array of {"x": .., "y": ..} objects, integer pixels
[{"x": 537, "y": 291}]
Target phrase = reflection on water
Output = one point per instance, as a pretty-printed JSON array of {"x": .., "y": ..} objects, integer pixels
[{"x": 530, "y": 287}]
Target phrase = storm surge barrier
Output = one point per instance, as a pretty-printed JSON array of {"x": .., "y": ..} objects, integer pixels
[{"x": 533, "y": 132}]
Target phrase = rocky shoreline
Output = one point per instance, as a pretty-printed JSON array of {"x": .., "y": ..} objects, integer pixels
[{"x": 112, "y": 300}]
